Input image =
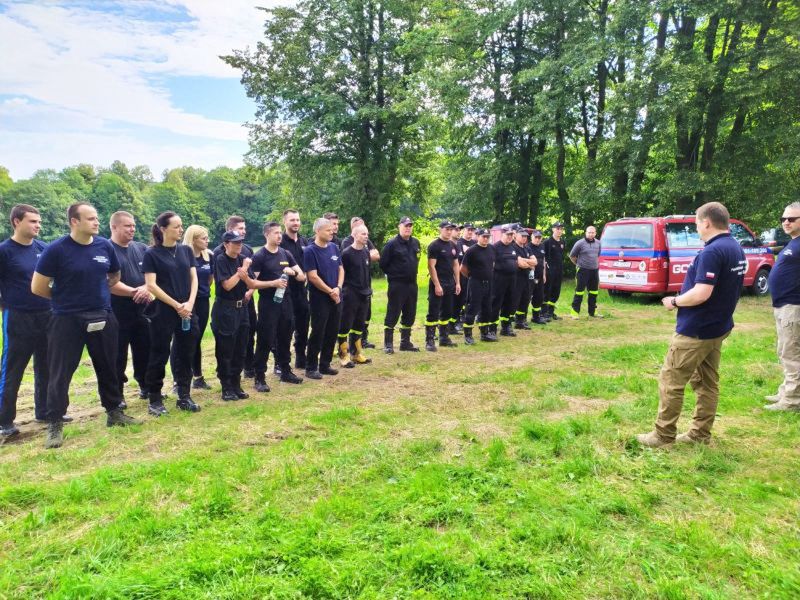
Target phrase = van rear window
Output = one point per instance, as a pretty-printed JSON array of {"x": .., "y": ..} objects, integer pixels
[
  {"x": 628, "y": 235},
  {"x": 683, "y": 235}
]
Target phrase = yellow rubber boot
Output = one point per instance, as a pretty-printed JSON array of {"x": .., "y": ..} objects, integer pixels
[
  {"x": 358, "y": 352},
  {"x": 344, "y": 354}
]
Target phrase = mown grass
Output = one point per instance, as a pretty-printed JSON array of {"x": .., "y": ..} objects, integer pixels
[{"x": 507, "y": 470}]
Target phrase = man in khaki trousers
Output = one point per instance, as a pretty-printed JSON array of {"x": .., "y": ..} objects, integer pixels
[
  {"x": 705, "y": 306},
  {"x": 784, "y": 285}
]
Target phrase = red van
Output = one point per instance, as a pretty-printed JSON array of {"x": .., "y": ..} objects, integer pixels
[{"x": 651, "y": 255}]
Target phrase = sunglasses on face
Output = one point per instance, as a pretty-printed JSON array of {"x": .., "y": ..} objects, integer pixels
[{"x": 790, "y": 219}]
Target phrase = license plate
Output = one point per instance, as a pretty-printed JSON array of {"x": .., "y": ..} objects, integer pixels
[{"x": 622, "y": 263}]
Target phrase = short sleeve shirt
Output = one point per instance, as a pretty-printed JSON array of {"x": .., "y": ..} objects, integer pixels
[
  {"x": 205, "y": 273},
  {"x": 480, "y": 262},
  {"x": 225, "y": 267},
  {"x": 505, "y": 260},
  {"x": 17, "y": 264},
  {"x": 172, "y": 267},
  {"x": 722, "y": 264},
  {"x": 784, "y": 279},
  {"x": 270, "y": 266},
  {"x": 80, "y": 274},
  {"x": 325, "y": 261},
  {"x": 587, "y": 254},
  {"x": 356, "y": 270},
  {"x": 444, "y": 253}
]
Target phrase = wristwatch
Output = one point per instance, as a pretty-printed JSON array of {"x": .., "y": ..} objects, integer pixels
[{"x": 675, "y": 302}]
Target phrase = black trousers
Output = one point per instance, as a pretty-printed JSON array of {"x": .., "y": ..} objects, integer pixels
[
  {"x": 325, "y": 317},
  {"x": 354, "y": 312},
  {"x": 65, "y": 343},
  {"x": 402, "y": 304},
  {"x": 479, "y": 302},
  {"x": 460, "y": 301},
  {"x": 166, "y": 333},
  {"x": 537, "y": 295},
  {"x": 24, "y": 336},
  {"x": 231, "y": 328},
  {"x": 587, "y": 280},
  {"x": 299, "y": 294},
  {"x": 522, "y": 294},
  {"x": 250, "y": 354},
  {"x": 503, "y": 297},
  {"x": 274, "y": 333},
  {"x": 134, "y": 332},
  {"x": 552, "y": 289},
  {"x": 201, "y": 306},
  {"x": 440, "y": 308}
]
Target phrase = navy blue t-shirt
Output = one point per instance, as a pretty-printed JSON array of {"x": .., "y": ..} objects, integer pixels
[
  {"x": 205, "y": 273},
  {"x": 784, "y": 279},
  {"x": 325, "y": 261},
  {"x": 17, "y": 263},
  {"x": 79, "y": 274},
  {"x": 722, "y": 264}
]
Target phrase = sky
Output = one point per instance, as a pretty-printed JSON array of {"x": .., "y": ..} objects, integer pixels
[{"x": 139, "y": 81}]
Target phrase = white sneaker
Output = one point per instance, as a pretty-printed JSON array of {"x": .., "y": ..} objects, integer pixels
[{"x": 783, "y": 407}]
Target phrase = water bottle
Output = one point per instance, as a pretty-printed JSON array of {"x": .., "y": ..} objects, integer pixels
[
  {"x": 186, "y": 323},
  {"x": 279, "y": 292}
]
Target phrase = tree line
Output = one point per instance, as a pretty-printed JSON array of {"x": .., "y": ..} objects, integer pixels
[{"x": 492, "y": 111}]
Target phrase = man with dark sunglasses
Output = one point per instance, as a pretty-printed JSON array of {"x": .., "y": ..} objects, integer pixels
[{"x": 784, "y": 286}]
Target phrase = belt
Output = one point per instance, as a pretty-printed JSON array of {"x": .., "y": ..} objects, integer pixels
[{"x": 233, "y": 303}]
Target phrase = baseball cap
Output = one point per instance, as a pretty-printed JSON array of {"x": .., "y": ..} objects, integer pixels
[
  {"x": 507, "y": 229},
  {"x": 406, "y": 221},
  {"x": 468, "y": 226},
  {"x": 536, "y": 233},
  {"x": 483, "y": 231},
  {"x": 522, "y": 231},
  {"x": 556, "y": 225},
  {"x": 446, "y": 225},
  {"x": 232, "y": 236}
]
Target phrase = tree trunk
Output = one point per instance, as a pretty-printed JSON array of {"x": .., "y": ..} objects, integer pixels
[{"x": 537, "y": 182}]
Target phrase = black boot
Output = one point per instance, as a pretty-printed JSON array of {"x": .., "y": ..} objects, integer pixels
[
  {"x": 228, "y": 394},
  {"x": 260, "y": 382},
  {"x": 520, "y": 322},
  {"x": 405, "y": 341},
  {"x": 185, "y": 401},
  {"x": 451, "y": 329},
  {"x": 506, "y": 330},
  {"x": 388, "y": 341},
  {"x": 484, "y": 329},
  {"x": 538, "y": 318},
  {"x": 156, "y": 407},
  {"x": 492, "y": 333},
  {"x": 468, "y": 339},
  {"x": 444, "y": 337},
  {"x": 365, "y": 343},
  {"x": 430, "y": 342},
  {"x": 236, "y": 387}
]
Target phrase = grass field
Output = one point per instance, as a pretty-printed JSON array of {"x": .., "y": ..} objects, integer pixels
[{"x": 497, "y": 471}]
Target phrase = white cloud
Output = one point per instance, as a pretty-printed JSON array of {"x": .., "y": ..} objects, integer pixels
[{"x": 89, "y": 64}]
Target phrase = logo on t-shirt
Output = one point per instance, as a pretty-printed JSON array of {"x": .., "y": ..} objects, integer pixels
[
  {"x": 101, "y": 259},
  {"x": 334, "y": 257},
  {"x": 710, "y": 275},
  {"x": 787, "y": 252}
]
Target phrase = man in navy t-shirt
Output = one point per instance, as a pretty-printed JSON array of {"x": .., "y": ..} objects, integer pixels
[
  {"x": 25, "y": 318},
  {"x": 323, "y": 266},
  {"x": 705, "y": 306},
  {"x": 784, "y": 285},
  {"x": 76, "y": 272}
]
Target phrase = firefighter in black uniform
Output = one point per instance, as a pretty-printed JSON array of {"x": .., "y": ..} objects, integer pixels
[
  {"x": 506, "y": 266},
  {"x": 444, "y": 285},
  {"x": 356, "y": 294},
  {"x": 538, "y": 282},
  {"x": 465, "y": 240},
  {"x": 230, "y": 321},
  {"x": 238, "y": 225},
  {"x": 400, "y": 262},
  {"x": 374, "y": 256},
  {"x": 554, "y": 257},
  {"x": 522, "y": 290},
  {"x": 293, "y": 242},
  {"x": 478, "y": 268}
]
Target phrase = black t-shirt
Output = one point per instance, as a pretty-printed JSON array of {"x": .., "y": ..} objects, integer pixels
[
  {"x": 554, "y": 253},
  {"x": 130, "y": 262},
  {"x": 269, "y": 266},
  {"x": 205, "y": 273},
  {"x": 172, "y": 267},
  {"x": 348, "y": 241},
  {"x": 444, "y": 253},
  {"x": 225, "y": 267},
  {"x": 538, "y": 252},
  {"x": 80, "y": 274},
  {"x": 722, "y": 264},
  {"x": 17, "y": 264},
  {"x": 524, "y": 252},
  {"x": 356, "y": 270},
  {"x": 505, "y": 261},
  {"x": 784, "y": 279},
  {"x": 480, "y": 262},
  {"x": 295, "y": 248},
  {"x": 247, "y": 251},
  {"x": 461, "y": 247}
]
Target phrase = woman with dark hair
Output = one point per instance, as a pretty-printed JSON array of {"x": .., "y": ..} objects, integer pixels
[{"x": 170, "y": 273}]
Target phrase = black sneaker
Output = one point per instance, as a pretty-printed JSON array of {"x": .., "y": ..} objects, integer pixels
[
  {"x": 8, "y": 431},
  {"x": 64, "y": 419},
  {"x": 229, "y": 395},
  {"x": 143, "y": 395},
  {"x": 313, "y": 374},
  {"x": 187, "y": 404},
  {"x": 120, "y": 419},
  {"x": 366, "y": 344},
  {"x": 241, "y": 394},
  {"x": 249, "y": 373},
  {"x": 199, "y": 383},
  {"x": 277, "y": 371},
  {"x": 157, "y": 409},
  {"x": 122, "y": 404},
  {"x": 261, "y": 385},
  {"x": 287, "y": 376},
  {"x": 55, "y": 435},
  {"x": 328, "y": 370}
]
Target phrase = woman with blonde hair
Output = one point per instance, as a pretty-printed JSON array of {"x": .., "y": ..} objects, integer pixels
[{"x": 196, "y": 237}]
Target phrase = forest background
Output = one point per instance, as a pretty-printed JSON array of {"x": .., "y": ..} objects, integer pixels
[{"x": 489, "y": 111}]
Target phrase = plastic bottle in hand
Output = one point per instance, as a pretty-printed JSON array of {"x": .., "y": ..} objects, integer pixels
[
  {"x": 186, "y": 323},
  {"x": 279, "y": 292}
]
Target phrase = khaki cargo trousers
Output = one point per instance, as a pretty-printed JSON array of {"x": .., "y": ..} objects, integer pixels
[
  {"x": 787, "y": 322},
  {"x": 694, "y": 361}
]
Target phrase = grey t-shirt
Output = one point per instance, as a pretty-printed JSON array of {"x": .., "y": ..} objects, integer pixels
[{"x": 587, "y": 253}]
